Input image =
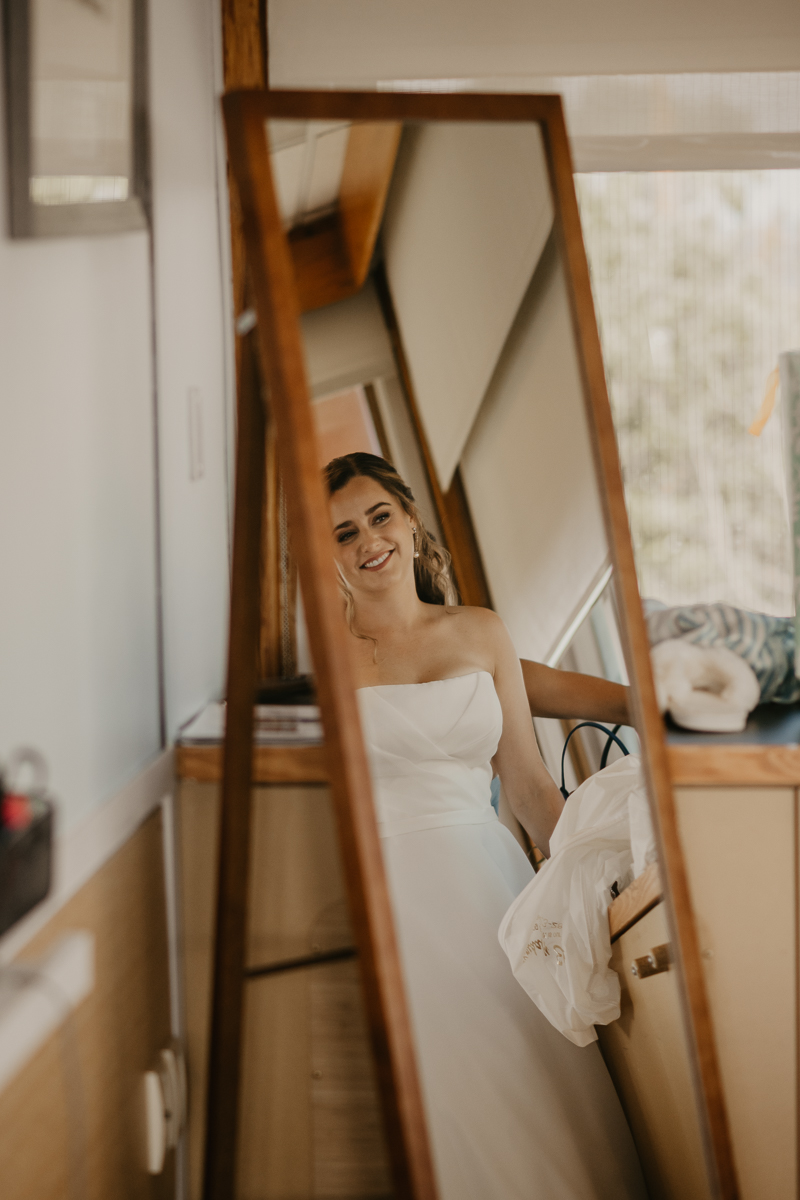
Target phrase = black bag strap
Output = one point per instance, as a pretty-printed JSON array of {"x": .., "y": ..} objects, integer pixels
[{"x": 611, "y": 736}]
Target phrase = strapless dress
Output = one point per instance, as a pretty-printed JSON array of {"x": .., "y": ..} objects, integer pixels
[{"x": 515, "y": 1111}]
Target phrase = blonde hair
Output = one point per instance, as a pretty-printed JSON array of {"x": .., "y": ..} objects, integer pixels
[{"x": 432, "y": 567}]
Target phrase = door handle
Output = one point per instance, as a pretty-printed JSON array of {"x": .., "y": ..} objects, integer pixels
[{"x": 659, "y": 959}]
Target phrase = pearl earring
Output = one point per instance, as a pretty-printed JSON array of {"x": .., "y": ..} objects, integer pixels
[{"x": 416, "y": 551}]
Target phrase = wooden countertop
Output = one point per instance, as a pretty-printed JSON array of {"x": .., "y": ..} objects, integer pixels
[
  {"x": 306, "y": 764},
  {"x": 765, "y": 753},
  {"x": 271, "y": 764}
]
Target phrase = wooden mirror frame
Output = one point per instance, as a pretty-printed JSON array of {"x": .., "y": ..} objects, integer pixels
[{"x": 280, "y": 354}]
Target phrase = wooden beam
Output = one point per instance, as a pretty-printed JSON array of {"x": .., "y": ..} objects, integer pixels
[
  {"x": 321, "y": 265},
  {"x": 369, "y": 162},
  {"x": 331, "y": 257},
  {"x": 244, "y": 59},
  {"x": 243, "y": 44},
  {"x": 350, "y": 783},
  {"x": 243, "y": 66},
  {"x": 224, "y": 1066}
]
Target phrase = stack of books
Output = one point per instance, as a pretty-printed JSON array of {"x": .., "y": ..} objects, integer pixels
[{"x": 274, "y": 725}]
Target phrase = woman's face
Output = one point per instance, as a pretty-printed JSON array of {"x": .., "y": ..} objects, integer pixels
[{"x": 372, "y": 536}]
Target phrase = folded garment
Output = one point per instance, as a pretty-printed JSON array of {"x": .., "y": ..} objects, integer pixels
[
  {"x": 556, "y": 932},
  {"x": 765, "y": 643},
  {"x": 704, "y": 687}
]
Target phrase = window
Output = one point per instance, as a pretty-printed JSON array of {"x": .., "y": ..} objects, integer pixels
[{"x": 696, "y": 277}]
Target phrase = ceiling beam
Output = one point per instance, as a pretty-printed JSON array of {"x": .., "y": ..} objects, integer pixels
[{"x": 331, "y": 257}]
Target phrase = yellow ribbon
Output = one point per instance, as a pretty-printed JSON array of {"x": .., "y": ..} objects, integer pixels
[{"x": 767, "y": 404}]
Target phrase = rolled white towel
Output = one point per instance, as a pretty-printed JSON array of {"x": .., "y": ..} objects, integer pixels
[{"x": 704, "y": 687}]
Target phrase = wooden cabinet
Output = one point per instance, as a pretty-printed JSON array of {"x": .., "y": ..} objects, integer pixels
[
  {"x": 310, "y": 1123},
  {"x": 737, "y": 809},
  {"x": 646, "y": 1056},
  {"x": 740, "y": 849}
]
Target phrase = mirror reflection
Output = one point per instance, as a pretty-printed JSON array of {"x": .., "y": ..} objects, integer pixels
[{"x": 467, "y": 528}]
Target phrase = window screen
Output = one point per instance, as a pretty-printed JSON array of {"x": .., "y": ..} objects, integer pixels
[{"x": 696, "y": 278}]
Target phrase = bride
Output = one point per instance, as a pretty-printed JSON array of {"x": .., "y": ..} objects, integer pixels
[{"x": 515, "y": 1111}]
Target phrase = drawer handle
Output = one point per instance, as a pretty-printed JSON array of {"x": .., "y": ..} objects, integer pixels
[{"x": 659, "y": 959}]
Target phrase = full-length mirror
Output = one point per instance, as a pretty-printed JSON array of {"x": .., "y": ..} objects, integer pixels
[{"x": 486, "y": 603}]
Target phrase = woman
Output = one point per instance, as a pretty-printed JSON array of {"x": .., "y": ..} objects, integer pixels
[{"x": 515, "y": 1112}]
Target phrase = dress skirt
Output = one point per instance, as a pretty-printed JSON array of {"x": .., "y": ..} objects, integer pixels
[{"x": 515, "y": 1111}]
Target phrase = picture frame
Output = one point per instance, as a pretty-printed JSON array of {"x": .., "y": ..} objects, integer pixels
[{"x": 76, "y": 83}]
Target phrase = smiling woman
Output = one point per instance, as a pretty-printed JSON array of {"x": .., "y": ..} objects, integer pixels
[
  {"x": 442, "y": 703},
  {"x": 393, "y": 505}
]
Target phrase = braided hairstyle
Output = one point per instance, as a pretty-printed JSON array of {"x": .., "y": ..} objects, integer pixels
[{"x": 432, "y": 567}]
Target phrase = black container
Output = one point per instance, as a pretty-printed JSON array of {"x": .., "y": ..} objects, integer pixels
[
  {"x": 25, "y": 864},
  {"x": 298, "y": 689}
]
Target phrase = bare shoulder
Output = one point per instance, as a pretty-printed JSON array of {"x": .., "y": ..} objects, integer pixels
[
  {"x": 476, "y": 618},
  {"x": 481, "y": 624}
]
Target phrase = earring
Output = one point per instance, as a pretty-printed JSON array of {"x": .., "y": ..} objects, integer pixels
[{"x": 414, "y": 531}]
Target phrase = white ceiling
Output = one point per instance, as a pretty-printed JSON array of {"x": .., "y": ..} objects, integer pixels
[
  {"x": 307, "y": 160},
  {"x": 359, "y": 43}
]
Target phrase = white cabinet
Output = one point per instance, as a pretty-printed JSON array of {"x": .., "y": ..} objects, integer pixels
[{"x": 740, "y": 847}]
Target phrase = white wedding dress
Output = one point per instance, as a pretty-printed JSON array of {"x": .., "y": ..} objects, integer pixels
[{"x": 515, "y": 1111}]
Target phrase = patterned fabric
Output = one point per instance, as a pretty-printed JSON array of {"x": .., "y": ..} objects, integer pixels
[{"x": 765, "y": 643}]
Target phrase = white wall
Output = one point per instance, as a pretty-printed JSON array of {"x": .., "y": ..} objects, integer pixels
[
  {"x": 346, "y": 343},
  {"x": 78, "y": 600},
  {"x": 354, "y": 43},
  {"x": 468, "y": 213},
  {"x": 78, "y": 669},
  {"x": 192, "y": 315},
  {"x": 529, "y": 474}
]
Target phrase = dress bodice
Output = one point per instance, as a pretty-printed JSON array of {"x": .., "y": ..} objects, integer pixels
[{"x": 430, "y": 746}]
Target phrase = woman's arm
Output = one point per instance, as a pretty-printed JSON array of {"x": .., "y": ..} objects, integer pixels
[
  {"x": 566, "y": 694},
  {"x": 534, "y": 798}
]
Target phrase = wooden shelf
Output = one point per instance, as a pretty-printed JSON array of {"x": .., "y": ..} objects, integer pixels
[
  {"x": 271, "y": 764},
  {"x": 637, "y": 899}
]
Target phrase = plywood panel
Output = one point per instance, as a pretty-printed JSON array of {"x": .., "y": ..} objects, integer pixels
[
  {"x": 297, "y": 884},
  {"x": 275, "y": 1131},
  {"x": 69, "y": 1122},
  {"x": 349, "y": 1157},
  {"x": 529, "y": 474},
  {"x": 645, "y": 1051},
  {"x": 740, "y": 850},
  {"x": 469, "y": 212},
  {"x": 301, "y": 1135}
]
